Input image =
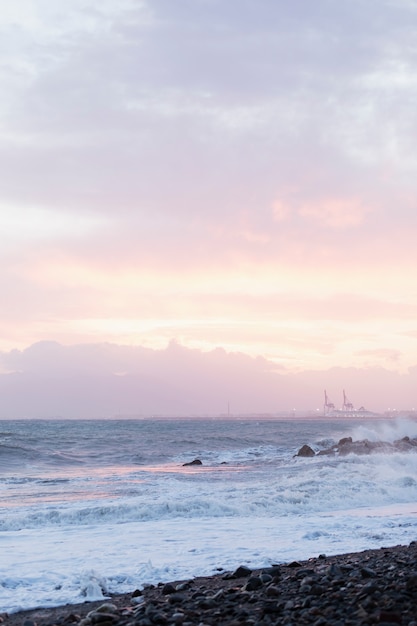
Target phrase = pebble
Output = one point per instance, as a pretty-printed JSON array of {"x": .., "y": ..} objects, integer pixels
[{"x": 375, "y": 587}]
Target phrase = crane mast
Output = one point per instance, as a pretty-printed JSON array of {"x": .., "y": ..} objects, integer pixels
[
  {"x": 328, "y": 406},
  {"x": 347, "y": 406}
]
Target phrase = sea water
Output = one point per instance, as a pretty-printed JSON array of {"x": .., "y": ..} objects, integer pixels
[{"x": 91, "y": 508}]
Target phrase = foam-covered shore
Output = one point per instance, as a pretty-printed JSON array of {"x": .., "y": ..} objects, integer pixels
[{"x": 370, "y": 587}]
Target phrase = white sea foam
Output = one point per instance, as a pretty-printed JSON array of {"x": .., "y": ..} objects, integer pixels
[
  {"x": 386, "y": 431},
  {"x": 313, "y": 484},
  {"x": 70, "y": 564},
  {"x": 105, "y": 527}
]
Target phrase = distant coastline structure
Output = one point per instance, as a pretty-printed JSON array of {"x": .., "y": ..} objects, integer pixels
[
  {"x": 347, "y": 410},
  {"x": 328, "y": 406}
]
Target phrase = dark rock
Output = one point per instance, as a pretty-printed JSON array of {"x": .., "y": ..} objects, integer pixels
[
  {"x": 97, "y": 617},
  {"x": 373, "y": 587},
  {"x": 270, "y": 607},
  {"x": 71, "y": 618},
  {"x": 265, "y": 578},
  {"x": 206, "y": 603},
  {"x": 318, "y": 590},
  {"x": 197, "y": 594},
  {"x": 334, "y": 571},
  {"x": 390, "y": 617},
  {"x": 177, "y": 598},
  {"x": 305, "y": 451},
  {"x": 242, "y": 571},
  {"x": 404, "y": 445},
  {"x": 370, "y": 588},
  {"x": 346, "y": 445},
  {"x": 346, "y": 567},
  {"x": 356, "y": 447},
  {"x": 328, "y": 452},
  {"x": 344, "y": 441},
  {"x": 183, "y": 586},
  {"x": 254, "y": 582},
  {"x": 195, "y": 462},
  {"x": 218, "y": 596},
  {"x": 158, "y": 617},
  {"x": 304, "y": 571},
  {"x": 367, "y": 572},
  {"x": 272, "y": 591},
  {"x": 168, "y": 588},
  {"x": 411, "y": 583},
  {"x": 365, "y": 447},
  {"x": 274, "y": 570}
]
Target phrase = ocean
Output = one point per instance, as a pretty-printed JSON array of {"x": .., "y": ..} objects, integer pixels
[{"x": 90, "y": 508}]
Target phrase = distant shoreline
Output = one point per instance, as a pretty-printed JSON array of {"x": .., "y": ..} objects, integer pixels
[{"x": 232, "y": 417}]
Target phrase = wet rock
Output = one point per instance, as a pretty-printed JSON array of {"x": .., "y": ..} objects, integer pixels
[
  {"x": 274, "y": 570},
  {"x": 254, "y": 582},
  {"x": 328, "y": 452},
  {"x": 107, "y": 607},
  {"x": 370, "y": 588},
  {"x": 102, "y": 618},
  {"x": 137, "y": 600},
  {"x": 242, "y": 571},
  {"x": 272, "y": 591},
  {"x": 265, "y": 578},
  {"x": 356, "y": 447},
  {"x": 183, "y": 586},
  {"x": 411, "y": 583},
  {"x": 344, "y": 441},
  {"x": 346, "y": 445},
  {"x": 390, "y": 617},
  {"x": 195, "y": 462},
  {"x": 334, "y": 571},
  {"x": 177, "y": 598},
  {"x": 405, "y": 444},
  {"x": 367, "y": 572},
  {"x": 373, "y": 587},
  {"x": 305, "y": 451},
  {"x": 168, "y": 588}
]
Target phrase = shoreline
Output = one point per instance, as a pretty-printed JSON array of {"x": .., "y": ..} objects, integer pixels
[{"x": 377, "y": 586}]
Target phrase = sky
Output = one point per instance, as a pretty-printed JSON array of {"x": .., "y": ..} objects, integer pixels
[{"x": 232, "y": 180}]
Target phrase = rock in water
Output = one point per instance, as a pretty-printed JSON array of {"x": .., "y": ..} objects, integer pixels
[
  {"x": 305, "y": 450},
  {"x": 344, "y": 441},
  {"x": 195, "y": 462}
]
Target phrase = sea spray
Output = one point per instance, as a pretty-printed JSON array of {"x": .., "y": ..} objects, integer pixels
[{"x": 127, "y": 512}]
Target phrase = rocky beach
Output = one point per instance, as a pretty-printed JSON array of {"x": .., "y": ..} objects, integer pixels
[
  {"x": 370, "y": 587},
  {"x": 156, "y": 523}
]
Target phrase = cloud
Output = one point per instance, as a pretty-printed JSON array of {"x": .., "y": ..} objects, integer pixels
[
  {"x": 388, "y": 355},
  {"x": 280, "y": 211},
  {"x": 113, "y": 104},
  {"x": 195, "y": 169},
  {"x": 104, "y": 380},
  {"x": 336, "y": 213}
]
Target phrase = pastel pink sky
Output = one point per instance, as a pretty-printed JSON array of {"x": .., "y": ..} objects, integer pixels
[{"x": 237, "y": 175}]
